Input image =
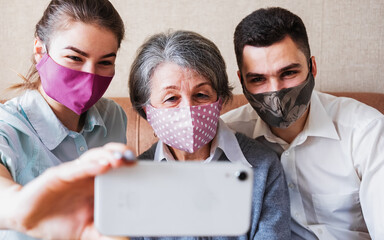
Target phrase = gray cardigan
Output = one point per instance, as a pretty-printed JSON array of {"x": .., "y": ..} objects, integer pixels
[{"x": 270, "y": 211}]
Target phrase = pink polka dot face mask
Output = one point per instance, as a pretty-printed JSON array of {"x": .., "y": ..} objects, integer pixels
[{"x": 186, "y": 128}]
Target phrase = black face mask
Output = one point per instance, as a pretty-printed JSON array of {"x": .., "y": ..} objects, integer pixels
[{"x": 282, "y": 108}]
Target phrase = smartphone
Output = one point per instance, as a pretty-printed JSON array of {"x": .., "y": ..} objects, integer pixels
[{"x": 174, "y": 199}]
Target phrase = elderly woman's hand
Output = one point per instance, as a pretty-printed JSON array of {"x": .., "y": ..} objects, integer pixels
[{"x": 59, "y": 203}]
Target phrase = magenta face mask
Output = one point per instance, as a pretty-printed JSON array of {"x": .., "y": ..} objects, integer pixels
[
  {"x": 76, "y": 90},
  {"x": 186, "y": 128}
]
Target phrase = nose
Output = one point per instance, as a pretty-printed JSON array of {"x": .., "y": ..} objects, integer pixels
[
  {"x": 274, "y": 85},
  {"x": 186, "y": 102},
  {"x": 89, "y": 68}
]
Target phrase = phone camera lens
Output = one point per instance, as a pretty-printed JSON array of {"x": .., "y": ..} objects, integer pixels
[{"x": 242, "y": 175}]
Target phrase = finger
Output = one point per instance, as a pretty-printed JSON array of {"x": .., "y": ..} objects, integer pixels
[
  {"x": 116, "y": 147},
  {"x": 122, "y": 154},
  {"x": 93, "y": 162},
  {"x": 123, "y": 158}
]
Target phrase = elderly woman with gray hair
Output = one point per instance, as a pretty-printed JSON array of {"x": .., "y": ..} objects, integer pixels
[{"x": 178, "y": 83}]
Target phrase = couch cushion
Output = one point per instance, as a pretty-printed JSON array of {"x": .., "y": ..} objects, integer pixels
[{"x": 140, "y": 135}]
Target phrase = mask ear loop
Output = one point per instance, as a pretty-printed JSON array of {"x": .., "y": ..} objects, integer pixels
[
  {"x": 242, "y": 82},
  {"x": 310, "y": 65},
  {"x": 45, "y": 48}
]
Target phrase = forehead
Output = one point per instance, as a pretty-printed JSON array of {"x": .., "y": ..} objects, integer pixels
[
  {"x": 280, "y": 54},
  {"x": 87, "y": 37},
  {"x": 170, "y": 74}
]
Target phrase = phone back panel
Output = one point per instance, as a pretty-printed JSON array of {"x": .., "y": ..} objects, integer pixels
[{"x": 174, "y": 199}]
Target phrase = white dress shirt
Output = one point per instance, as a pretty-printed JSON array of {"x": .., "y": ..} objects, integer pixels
[{"x": 334, "y": 167}]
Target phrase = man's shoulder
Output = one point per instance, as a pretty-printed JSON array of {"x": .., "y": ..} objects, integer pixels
[
  {"x": 242, "y": 119},
  {"x": 345, "y": 110},
  {"x": 243, "y": 113}
]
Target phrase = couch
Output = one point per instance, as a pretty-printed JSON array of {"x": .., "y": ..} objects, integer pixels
[{"x": 140, "y": 135}]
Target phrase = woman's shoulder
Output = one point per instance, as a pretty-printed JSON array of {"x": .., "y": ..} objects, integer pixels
[
  {"x": 256, "y": 153},
  {"x": 149, "y": 154},
  {"x": 251, "y": 146},
  {"x": 11, "y": 106},
  {"x": 12, "y": 118}
]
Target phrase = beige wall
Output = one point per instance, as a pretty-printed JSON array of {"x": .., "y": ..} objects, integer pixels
[{"x": 346, "y": 37}]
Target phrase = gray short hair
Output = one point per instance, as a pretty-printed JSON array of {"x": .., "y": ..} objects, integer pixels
[{"x": 184, "y": 48}]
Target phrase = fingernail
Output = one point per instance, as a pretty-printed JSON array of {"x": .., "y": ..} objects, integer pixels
[
  {"x": 117, "y": 155},
  {"x": 129, "y": 156}
]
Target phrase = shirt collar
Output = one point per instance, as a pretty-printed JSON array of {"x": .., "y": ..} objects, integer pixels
[
  {"x": 162, "y": 153},
  {"x": 227, "y": 143},
  {"x": 49, "y": 128},
  {"x": 318, "y": 124},
  {"x": 224, "y": 141},
  {"x": 93, "y": 119},
  {"x": 263, "y": 129}
]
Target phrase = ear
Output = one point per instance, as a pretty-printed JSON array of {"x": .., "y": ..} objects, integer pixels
[
  {"x": 314, "y": 67},
  {"x": 38, "y": 50}
]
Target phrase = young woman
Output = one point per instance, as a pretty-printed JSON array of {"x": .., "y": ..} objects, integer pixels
[
  {"x": 178, "y": 82},
  {"x": 60, "y": 116}
]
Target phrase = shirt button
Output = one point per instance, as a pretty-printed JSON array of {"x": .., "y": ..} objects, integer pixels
[
  {"x": 286, "y": 153},
  {"x": 291, "y": 185},
  {"x": 82, "y": 148},
  {"x": 319, "y": 231},
  {"x": 297, "y": 214}
]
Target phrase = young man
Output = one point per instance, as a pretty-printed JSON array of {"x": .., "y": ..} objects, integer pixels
[{"x": 331, "y": 148}]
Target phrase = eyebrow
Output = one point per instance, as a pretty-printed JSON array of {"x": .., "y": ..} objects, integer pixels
[
  {"x": 86, "y": 54},
  {"x": 197, "y": 86},
  {"x": 252, "y": 75},
  {"x": 290, "y": 66}
]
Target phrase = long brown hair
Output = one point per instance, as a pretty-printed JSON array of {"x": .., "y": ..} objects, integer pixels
[{"x": 58, "y": 14}]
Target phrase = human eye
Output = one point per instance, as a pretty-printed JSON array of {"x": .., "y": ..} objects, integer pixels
[
  {"x": 106, "y": 63},
  {"x": 289, "y": 74},
  {"x": 202, "y": 95},
  {"x": 170, "y": 99},
  {"x": 256, "y": 80},
  {"x": 74, "y": 58}
]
